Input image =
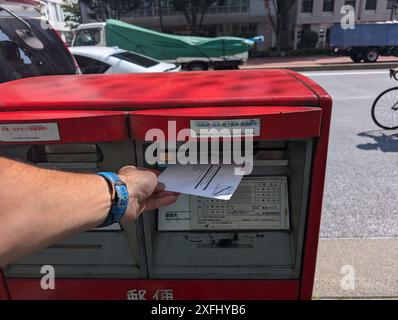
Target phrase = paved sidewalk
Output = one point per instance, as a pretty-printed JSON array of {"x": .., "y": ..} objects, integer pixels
[
  {"x": 357, "y": 268},
  {"x": 318, "y": 63}
]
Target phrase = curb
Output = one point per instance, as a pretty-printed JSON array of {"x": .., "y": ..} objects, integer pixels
[{"x": 334, "y": 67}]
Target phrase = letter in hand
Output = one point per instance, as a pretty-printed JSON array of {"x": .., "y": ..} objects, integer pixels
[{"x": 145, "y": 192}]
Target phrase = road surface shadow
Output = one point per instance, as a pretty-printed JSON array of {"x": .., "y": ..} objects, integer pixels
[{"x": 385, "y": 141}]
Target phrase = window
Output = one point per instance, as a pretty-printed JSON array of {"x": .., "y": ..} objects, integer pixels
[
  {"x": 328, "y": 5},
  {"x": 350, "y": 3},
  {"x": 18, "y": 60},
  {"x": 371, "y": 5},
  {"x": 87, "y": 37},
  {"x": 91, "y": 66},
  {"x": 307, "y": 6},
  {"x": 136, "y": 59}
]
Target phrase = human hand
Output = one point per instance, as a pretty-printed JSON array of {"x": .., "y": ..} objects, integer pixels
[{"x": 146, "y": 193}]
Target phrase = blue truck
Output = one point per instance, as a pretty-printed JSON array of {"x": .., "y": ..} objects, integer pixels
[{"x": 366, "y": 42}]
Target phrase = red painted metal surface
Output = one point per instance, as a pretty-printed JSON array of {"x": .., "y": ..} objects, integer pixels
[
  {"x": 74, "y": 126},
  {"x": 276, "y": 122},
  {"x": 182, "y": 289},
  {"x": 316, "y": 192},
  {"x": 4, "y": 294},
  {"x": 273, "y": 95},
  {"x": 145, "y": 91}
]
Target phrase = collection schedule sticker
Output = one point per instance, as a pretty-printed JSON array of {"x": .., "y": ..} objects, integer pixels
[
  {"x": 26, "y": 132},
  {"x": 238, "y": 127}
]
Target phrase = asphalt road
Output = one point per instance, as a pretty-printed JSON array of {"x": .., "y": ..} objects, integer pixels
[{"x": 361, "y": 195}]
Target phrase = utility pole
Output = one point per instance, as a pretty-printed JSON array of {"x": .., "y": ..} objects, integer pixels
[
  {"x": 160, "y": 8},
  {"x": 394, "y": 5},
  {"x": 361, "y": 10}
]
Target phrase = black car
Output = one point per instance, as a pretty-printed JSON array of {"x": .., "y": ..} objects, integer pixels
[{"x": 29, "y": 46}]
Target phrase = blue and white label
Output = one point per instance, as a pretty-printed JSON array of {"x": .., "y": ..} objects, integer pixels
[{"x": 246, "y": 127}]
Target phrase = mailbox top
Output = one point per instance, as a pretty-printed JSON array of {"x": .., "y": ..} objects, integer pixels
[{"x": 161, "y": 90}]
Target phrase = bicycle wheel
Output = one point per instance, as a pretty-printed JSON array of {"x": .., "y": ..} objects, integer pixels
[{"x": 385, "y": 109}]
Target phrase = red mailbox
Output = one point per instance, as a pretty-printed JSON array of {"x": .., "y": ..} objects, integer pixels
[{"x": 96, "y": 123}]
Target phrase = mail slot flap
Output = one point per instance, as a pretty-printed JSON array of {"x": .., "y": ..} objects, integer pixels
[
  {"x": 62, "y": 127},
  {"x": 278, "y": 122}
]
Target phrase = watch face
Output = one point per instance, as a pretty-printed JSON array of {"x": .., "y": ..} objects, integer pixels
[
  {"x": 119, "y": 183},
  {"x": 122, "y": 195}
]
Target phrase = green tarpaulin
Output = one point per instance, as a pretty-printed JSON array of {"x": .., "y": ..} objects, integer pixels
[{"x": 163, "y": 46}]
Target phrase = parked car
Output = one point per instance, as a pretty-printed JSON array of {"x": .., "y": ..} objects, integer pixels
[
  {"x": 28, "y": 45},
  {"x": 93, "y": 60}
]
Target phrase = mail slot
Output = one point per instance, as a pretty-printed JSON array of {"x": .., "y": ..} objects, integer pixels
[
  {"x": 260, "y": 244},
  {"x": 257, "y": 234}
]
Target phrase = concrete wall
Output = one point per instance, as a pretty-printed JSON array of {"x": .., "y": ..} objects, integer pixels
[
  {"x": 257, "y": 8},
  {"x": 53, "y": 12}
]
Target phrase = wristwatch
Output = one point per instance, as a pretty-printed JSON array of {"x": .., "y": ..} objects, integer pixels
[{"x": 120, "y": 198}]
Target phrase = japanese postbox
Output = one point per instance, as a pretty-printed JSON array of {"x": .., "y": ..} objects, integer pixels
[{"x": 261, "y": 244}]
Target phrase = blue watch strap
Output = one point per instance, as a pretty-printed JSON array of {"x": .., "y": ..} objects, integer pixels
[{"x": 121, "y": 200}]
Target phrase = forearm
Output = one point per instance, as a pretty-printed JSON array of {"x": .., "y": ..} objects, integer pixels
[{"x": 39, "y": 207}]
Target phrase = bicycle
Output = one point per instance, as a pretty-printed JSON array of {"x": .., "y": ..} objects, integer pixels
[{"x": 385, "y": 107}]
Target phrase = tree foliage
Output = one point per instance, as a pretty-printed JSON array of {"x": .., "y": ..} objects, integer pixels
[
  {"x": 194, "y": 12},
  {"x": 72, "y": 14}
]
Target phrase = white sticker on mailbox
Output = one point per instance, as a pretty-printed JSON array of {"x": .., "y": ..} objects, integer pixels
[
  {"x": 200, "y": 127},
  {"x": 259, "y": 203},
  {"x": 15, "y": 132},
  {"x": 175, "y": 217}
]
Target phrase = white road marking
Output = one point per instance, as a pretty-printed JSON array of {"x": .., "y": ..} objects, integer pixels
[{"x": 319, "y": 74}]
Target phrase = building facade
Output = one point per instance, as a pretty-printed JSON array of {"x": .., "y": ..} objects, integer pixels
[
  {"x": 248, "y": 18},
  {"x": 243, "y": 18},
  {"x": 52, "y": 10},
  {"x": 321, "y": 15}
]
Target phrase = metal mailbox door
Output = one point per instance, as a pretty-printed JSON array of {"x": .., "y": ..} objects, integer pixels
[
  {"x": 285, "y": 146},
  {"x": 82, "y": 141}
]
